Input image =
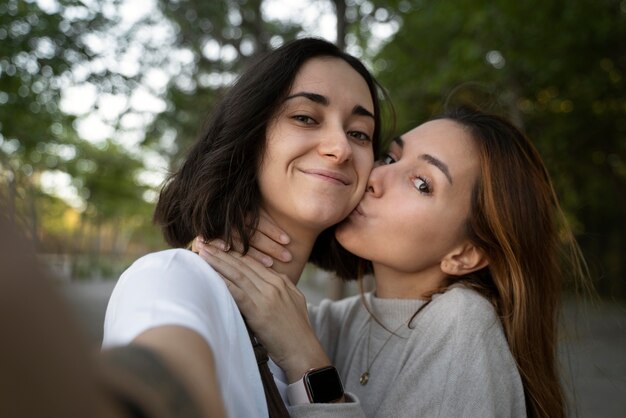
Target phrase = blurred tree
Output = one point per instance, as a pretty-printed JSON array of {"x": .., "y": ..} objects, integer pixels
[
  {"x": 557, "y": 69},
  {"x": 219, "y": 38},
  {"x": 107, "y": 178},
  {"x": 38, "y": 49}
]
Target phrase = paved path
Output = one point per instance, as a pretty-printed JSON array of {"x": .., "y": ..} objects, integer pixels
[{"x": 594, "y": 346}]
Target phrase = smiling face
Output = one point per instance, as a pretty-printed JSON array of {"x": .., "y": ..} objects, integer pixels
[
  {"x": 417, "y": 201},
  {"x": 319, "y": 147}
]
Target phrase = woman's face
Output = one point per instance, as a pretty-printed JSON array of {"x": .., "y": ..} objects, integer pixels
[
  {"x": 319, "y": 147},
  {"x": 417, "y": 201}
]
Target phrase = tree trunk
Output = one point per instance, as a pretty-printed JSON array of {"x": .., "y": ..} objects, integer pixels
[
  {"x": 32, "y": 213},
  {"x": 258, "y": 28},
  {"x": 12, "y": 194},
  {"x": 342, "y": 24}
]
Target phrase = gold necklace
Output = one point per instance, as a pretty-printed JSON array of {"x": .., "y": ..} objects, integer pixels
[{"x": 365, "y": 376}]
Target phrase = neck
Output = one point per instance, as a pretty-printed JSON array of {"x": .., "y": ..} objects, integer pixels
[
  {"x": 300, "y": 246},
  {"x": 394, "y": 284}
]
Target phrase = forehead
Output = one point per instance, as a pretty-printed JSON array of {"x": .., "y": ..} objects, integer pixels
[
  {"x": 446, "y": 140},
  {"x": 332, "y": 77}
]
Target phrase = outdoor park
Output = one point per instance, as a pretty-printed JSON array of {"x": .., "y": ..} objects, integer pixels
[{"x": 100, "y": 100}]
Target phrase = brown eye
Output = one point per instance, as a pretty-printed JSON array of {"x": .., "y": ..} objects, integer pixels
[
  {"x": 360, "y": 136},
  {"x": 306, "y": 120},
  {"x": 422, "y": 185}
]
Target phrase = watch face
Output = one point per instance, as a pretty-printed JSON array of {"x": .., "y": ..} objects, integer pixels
[{"x": 324, "y": 385}]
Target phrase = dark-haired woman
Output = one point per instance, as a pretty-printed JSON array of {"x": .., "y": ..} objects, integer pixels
[
  {"x": 463, "y": 234},
  {"x": 295, "y": 138}
]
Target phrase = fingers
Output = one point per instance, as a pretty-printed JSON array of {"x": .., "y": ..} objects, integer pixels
[
  {"x": 241, "y": 269},
  {"x": 237, "y": 294},
  {"x": 268, "y": 243},
  {"x": 238, "y": 274},
  {"x": 196, "y": 244},
  {"x": 265, "y": 245},
  {"x": 268, "y": 227},
  {"x": 262, "y": 248},
  {"x": 264, "y": 258}
]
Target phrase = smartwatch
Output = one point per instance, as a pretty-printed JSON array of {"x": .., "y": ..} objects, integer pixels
[{"x": 316, "y": 386}]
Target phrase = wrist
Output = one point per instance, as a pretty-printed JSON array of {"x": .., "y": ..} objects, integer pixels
[{"x": 296, "y": 367}]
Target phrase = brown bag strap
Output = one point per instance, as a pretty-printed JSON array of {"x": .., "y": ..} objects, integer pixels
[{"x": 275, "y": 405}]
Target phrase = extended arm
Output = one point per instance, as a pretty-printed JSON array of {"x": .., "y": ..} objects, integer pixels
[{"x": 190, "y": 359}]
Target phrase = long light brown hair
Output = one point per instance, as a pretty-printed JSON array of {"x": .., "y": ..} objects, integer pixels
[{"x": 517, "y": 221}]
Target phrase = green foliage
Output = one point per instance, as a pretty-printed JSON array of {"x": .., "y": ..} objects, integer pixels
[
  {"x": 556, "y": 68},
  {"x": 221, "y": 36},
  {"x": 107, "y": 178},
  {"x": 43, "y": 51},
  {"x": 38, "y": 48}
]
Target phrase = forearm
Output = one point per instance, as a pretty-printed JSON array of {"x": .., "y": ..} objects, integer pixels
[{"x": 190, "y": 360}]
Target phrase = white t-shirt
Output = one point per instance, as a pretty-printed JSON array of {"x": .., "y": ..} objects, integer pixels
[{"x": 177, "y": 287}]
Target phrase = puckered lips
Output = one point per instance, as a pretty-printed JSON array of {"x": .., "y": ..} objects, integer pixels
[
  {"x": 358, "y": 211},
  {"x": 331, "y": 176}
]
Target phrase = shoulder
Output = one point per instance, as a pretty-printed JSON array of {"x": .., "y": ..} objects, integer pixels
[
  {"x": 172, "y": 287},
  {"x": 463, "y": 304},
  {"x": 174, "y": 276},
  {"x": 174, "y": 269},
  {"x": 173, "y": 261},
  {"x": 335, "y": 309},
  {"x": 461, "y": 314}
]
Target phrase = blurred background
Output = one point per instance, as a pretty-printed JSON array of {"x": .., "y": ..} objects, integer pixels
[{"x": 100, "y": 99}]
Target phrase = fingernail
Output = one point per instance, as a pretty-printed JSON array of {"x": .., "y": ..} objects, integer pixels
[
  {"x": 286, "y": 256},
  {"x": 267, "y": 261},
  {"x": 284, "y": 238}
]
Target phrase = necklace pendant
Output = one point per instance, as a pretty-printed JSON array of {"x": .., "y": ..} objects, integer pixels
[{"x": 365, "y": 377}]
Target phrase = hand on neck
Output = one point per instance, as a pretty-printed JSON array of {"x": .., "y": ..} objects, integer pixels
[
  {"x": 300, "y": 246},
  {"x": 300, "y": 252}
]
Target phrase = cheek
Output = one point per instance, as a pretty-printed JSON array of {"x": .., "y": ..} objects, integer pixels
[
  {"x": 407, "y": 237},
  {"x": 265, "y": 175},
  {"x": 363, "y": 164}
]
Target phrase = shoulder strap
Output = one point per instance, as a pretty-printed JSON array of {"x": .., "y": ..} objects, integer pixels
[{"x": 275, "y": 404}]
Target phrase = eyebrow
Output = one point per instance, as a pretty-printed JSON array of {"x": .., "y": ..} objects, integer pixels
[
  {"x": 323, "y": 100},
  {"x": 429, "y": 159}
]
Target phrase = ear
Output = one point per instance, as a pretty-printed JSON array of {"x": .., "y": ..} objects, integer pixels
[{"x": 464, "y": 259}]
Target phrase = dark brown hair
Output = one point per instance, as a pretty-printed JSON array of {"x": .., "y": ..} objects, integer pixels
[{"x": 215, "y": 191}]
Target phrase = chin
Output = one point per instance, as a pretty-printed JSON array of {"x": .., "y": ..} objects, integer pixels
[
  {"x": 323, "y": 216},
  {"x": 350, "y": 239}
]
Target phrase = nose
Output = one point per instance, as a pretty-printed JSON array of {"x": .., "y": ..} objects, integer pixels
[
  {"x": 375, "y": 181},
  {"x": 336, "y": 145}
]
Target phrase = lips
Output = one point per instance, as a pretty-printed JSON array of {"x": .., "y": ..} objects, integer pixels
[
  {"x": 359, "y": 210},
  {"x": 328, "y": 175}
]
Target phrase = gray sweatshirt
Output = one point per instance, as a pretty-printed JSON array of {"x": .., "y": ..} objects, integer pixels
[{"x": 454, "y": 361}]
